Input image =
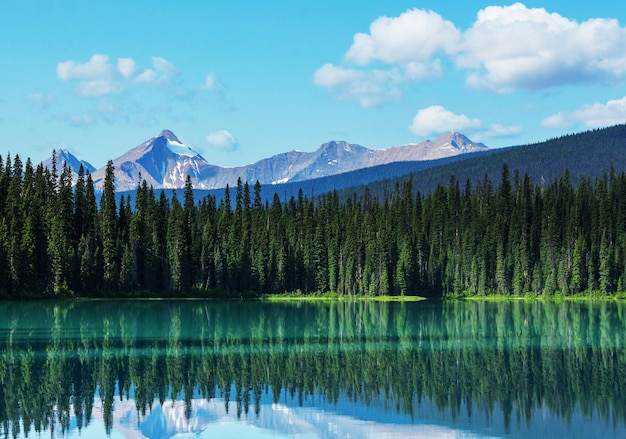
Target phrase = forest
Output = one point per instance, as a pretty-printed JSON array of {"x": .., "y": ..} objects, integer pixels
[{"x": 511, "y": 237}]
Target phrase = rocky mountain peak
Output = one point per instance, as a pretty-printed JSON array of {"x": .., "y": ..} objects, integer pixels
[
  {"x": 169, "y": 136},
  {"x": 63, "y": 155},
  {"x": 165, "y": 162},
  {"x": 457, "y": 140}
]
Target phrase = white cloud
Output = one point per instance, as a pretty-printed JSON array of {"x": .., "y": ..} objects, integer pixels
[
  {"x": 592, "y": 116},
  {"x": 162, "y": 72},
  {"x": 370, "y": 88},
  {"x": 98, "y": 76},
  {"x": 126, "y": 66},
  {"x": 97, "y": 88},
  {"x": 147, "y": 76},
  {"x": 408, "y": 43},
  {"x": 222, "y": 139},
  {"x": 210, "y": 81},
  {"x": 416, "y": 71},
  {"x": 507, "y": 48},
  {"x": 95, "y": 77},
  {"x": 97, "y": 67},
  {"x": 414, "y": 36},
  {"x": 437, "y": 119},
  {"x": 515, "y": 47}
]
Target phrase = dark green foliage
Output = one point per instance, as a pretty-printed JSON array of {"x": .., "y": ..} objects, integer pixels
[{"x": 509, "y": 236}]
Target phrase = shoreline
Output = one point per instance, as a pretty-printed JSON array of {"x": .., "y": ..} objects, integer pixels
[{"x": 334, "y": 297}]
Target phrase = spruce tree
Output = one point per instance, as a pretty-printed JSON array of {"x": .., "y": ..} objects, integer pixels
[{"x": 109, "y": 230}]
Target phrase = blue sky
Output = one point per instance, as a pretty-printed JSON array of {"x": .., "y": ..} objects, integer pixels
[{"x": 242, "y": 80}]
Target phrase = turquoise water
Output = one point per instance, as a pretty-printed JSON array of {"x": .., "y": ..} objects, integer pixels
[{"x": 162, "y": 369}]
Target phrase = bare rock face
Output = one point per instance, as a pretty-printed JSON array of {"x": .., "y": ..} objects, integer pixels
[
  {"x": 447, "y": 145},
  {"x": 165, "y": 162}
]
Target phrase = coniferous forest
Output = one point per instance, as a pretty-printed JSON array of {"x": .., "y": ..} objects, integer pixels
[{"x": 509, "y": 237}]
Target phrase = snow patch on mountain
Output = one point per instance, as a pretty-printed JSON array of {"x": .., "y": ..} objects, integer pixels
[{"x": 181, "y": 149}]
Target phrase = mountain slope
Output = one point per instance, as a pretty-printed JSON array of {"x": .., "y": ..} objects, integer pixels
[
  {"x": 63, "y": 156},
  {"x": 589, "y": 154},
  {"x": 338, "y": 157},
  {"x": 164, "y": 162},
  {"x": 447, "y": 145}
]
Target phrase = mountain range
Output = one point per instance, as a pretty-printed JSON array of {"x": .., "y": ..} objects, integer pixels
[{"x": 165, "y": 162}]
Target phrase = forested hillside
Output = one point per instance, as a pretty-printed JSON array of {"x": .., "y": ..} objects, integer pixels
[
  {"x": 511, "y": 236},
  {"x": 586, "y": 155}
]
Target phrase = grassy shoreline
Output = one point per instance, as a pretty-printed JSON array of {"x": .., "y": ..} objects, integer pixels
[
  {"x": 333, "y": 297},
  {"x": 581, "y": 297}
]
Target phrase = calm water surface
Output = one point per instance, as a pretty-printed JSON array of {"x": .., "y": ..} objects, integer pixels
[{"x": 184, "y": 369}]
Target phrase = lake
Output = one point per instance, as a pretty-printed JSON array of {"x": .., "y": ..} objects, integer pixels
[{"x": 161, "y": 369}]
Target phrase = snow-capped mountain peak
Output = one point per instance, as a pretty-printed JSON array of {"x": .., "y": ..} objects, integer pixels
[
  {"x": 171, "y": 142},
  {"x": 169, "y": 136},
  {"x": 165, "y": 162}
]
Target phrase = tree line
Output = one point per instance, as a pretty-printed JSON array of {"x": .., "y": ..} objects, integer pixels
[{"x": 512, "y": 237}]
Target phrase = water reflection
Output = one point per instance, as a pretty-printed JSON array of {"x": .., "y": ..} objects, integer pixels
[{"x": 164, "y": 368}]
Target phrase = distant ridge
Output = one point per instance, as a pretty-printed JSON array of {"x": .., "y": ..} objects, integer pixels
[
  {"x": 590, "y": 154},
  {"x": 165, "y": 162}
]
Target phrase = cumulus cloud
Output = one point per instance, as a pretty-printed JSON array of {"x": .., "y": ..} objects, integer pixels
[
  {"x": 407, "y": 43},
  {"x": 436, "y": 120},
  {"x": 507, "y": 48},
  {"x": 416, "y": 71},
  {"x": 95, "y": 77},
  {"x": 97, "y": 67},
  {"x": 126, "y": 66},
  {"x": 414, "y": 36},
  {"x": 515, "y": 47},
  {"x": 369, "y": 88},
  {"x": 97, "y": 88},
  {"x": 592, "y": 116},
  {"x": 98, "y": 76},
  {"x": 162, "y": 72},
  {"x": 222, "y": 139}
]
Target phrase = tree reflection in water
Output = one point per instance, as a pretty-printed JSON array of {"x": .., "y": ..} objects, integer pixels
[{"x": 57, "y": 358}]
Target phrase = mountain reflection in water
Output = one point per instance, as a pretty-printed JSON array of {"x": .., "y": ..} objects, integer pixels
[{"x": 166, "y": 368}]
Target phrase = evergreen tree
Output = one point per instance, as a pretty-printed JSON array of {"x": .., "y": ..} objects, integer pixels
[{"x": 109, "y": 232}]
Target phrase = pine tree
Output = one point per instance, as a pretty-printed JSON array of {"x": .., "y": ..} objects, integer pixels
[
  {"x": 190, "y": 236},
  {"x": 109, "y": 232},
  {"x": 60, "y": 246}
]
